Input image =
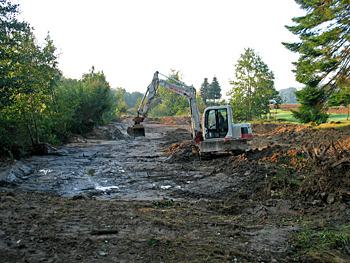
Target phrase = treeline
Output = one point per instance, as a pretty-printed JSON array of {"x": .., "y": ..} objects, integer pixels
[{"x": 38, "y": 105}]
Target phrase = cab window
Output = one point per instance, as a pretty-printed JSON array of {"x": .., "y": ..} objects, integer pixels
[{"x": 216, "y": 123}]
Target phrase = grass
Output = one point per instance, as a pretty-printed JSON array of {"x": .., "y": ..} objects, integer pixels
[
  {"x": 337, "y": 240},
  {"x": 335, "y": 120},
  {"x": 284, "y": 115}
]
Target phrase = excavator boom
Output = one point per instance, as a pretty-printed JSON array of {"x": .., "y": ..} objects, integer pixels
[{"x": 186, "y": 91}]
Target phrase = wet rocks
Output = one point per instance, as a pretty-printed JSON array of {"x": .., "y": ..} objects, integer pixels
[{"x": 14, "y": 174}]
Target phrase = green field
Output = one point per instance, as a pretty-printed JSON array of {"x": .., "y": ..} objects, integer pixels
[{"x": 335, "y": 120}]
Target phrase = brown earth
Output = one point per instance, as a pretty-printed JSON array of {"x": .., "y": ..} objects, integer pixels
[
  {"x": 288, "y": 107},
  {"x": 266, "y": 205}
]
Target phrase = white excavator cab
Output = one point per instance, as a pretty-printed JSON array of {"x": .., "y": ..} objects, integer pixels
[
  {"x": 218, "y": 124},
  {"x": 220, "y": 133}
]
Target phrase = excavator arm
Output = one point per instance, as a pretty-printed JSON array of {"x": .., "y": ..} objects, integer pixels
[{"x": 188, "y": 92}]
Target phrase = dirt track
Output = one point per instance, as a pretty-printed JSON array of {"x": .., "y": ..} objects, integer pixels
[{"x": 154, "y": 199}]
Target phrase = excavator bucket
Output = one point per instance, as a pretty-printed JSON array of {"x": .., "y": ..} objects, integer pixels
[{"x": 137, "y": 130}]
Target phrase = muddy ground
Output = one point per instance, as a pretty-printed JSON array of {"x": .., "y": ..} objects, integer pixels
[{"x": 155, "y": 199}]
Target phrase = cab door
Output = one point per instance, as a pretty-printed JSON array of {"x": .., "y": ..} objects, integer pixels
[{"x": 215, "y": 123}]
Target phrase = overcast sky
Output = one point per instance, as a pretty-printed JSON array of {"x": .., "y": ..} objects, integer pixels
[{"x": 131, "y": 39}]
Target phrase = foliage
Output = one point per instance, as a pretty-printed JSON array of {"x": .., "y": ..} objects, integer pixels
[
  {"x": 341, "y": 97},
  {"x": 167, "y": 102},
  {"x": 204, "y": 91},
  {"x": 309, "y": 240},
  {"x": 37, "y": 104},
  {"x": 12, "y": 32},
  {"x": 312, "y": 107},
  {"x": 324, "y": 53},
  {"x": 28, "y": 75},
  {"x": 324, "y": 47},
  {"x": 165, "y": 202},
  {"x": 214, "y": 90},
  {"x": 86, "y": 102},
  {"x": 119, "y": 104},
  {"x": 253, "y": 88},
  {"x": 288, "y": 95},
  {"x": 210, "y": 92},
  {"x": 131, "y": 99}
]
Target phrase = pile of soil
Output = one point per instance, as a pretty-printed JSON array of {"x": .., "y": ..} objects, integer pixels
[
  {"x": 288, "y": 107},
  {"x": 279, "y": 157},
  {"x": 179, "y": 120},
  {"x": 176, "y": 136},
  {"x": 105, "y": 132},
  {"x": 184, "y": 151},
  {"x": 297, "y": 135}
]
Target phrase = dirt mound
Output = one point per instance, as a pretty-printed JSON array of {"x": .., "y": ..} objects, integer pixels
[
  {"x": 180, "y": 146},
  {"x": 105, "y": 132},
  {"x": 288, "y": 107},
  {"x": 273, "y": 128},
  {"x": 296, "y": 135},
  {"x": 177, "y": 136},
  {"x": 152, "y": 120},
  {"x": 176, "y": 120},
  {"x": 184, "y": 151}
]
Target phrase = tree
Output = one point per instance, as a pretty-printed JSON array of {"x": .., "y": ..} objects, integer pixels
[
  {"x": 214, "y": 90},
  {"x": 341, "y": 97},
  {"x": 132, "y": 98},
  {"x": 312, "y": 108},
  {"x": 253, "y": 88},
  {"x": 277, "y": 103},
  {"x": 204, "y": 90},
  {"x": 12, "y": 33},
  {"x": 324, "y": 52},
  {"x": 28, "y": 75},
  {"x": 95, "y": 99},
  {"x": 325, "y": 46},
  {"x": 119, "y": 105}
]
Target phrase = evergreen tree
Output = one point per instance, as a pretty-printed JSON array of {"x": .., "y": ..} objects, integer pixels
[
  {"x": 312, "y": 107},
  {"x": 214, "y": 90},
  {"x": 325, "y": 46},
  {"x": 253, "y": 88},
  {"x": 324, "y": 52},
  {"x": 204, "y": 91}
]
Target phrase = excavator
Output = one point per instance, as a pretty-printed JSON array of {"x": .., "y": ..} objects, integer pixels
[{"x": 215, "y": 133}]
